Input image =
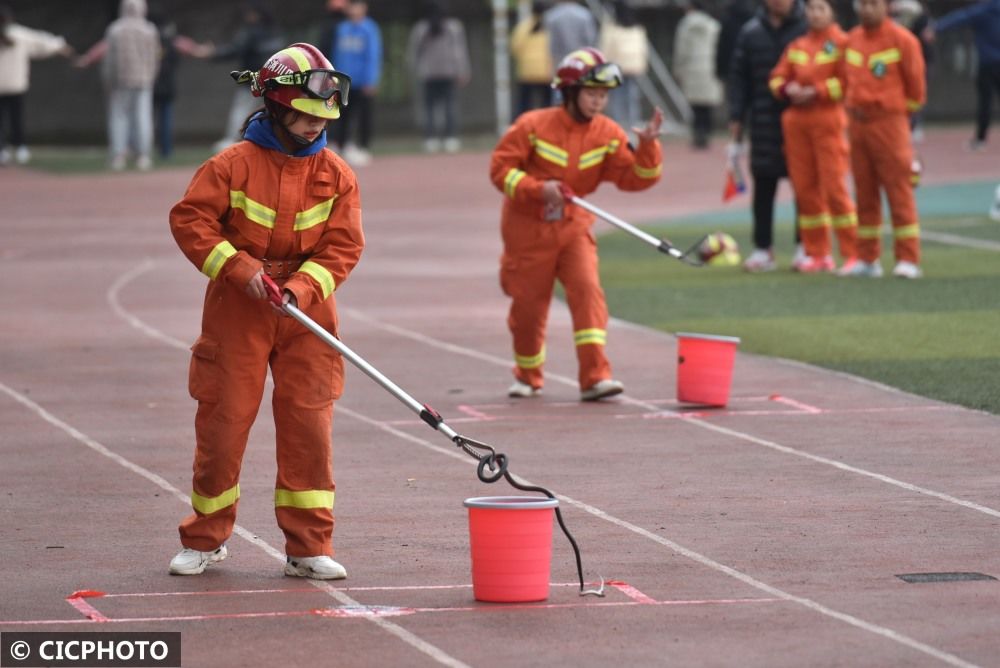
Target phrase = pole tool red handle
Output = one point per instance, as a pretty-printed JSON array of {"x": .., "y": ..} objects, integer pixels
[{"x": 273, "y": 291}]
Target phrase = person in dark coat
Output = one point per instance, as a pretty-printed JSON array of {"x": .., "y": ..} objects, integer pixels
[
  {"x": 734, "y": 17},
  {"x": 759, "y": 45}
]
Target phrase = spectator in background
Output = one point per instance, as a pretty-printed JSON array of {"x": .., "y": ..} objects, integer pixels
[
  {"x": 759, "y": 45},
  {"x": 18, "y": 46},
  {"x": 624, "y": 42},
  {"x": 438, "y": 55},
  {"x": 984, "y": 19},
  {"x": 336, "y": 12},
  {"x": 570, "y": 27},
  {"x": 695, "y": 45},
  {"x": 912, "y": 15},
  {"x": 172, "y": 47},
  {"x": 359, "y": 55},
  {"x": 256, "y": 39},
  {"x": 129, "y": 55},
  {"x": 529, "y": 45},
  {"x": 737, "y": 13}
]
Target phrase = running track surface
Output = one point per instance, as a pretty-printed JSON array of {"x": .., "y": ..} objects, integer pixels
[{"x": 770, "y": 533}]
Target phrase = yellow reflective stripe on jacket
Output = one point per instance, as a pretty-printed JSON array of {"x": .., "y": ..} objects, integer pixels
[
  {"x": 846, "y": 220},
  {"x": 911, "y": 231},
  {"x": 887, "y": 57},
  {"x": 776, "y": 83},
  {"x": 206, "y": 505},
  {"x": 798, "y": 57},
  {"x": 315, "y": 215},
  {"x": 854, "y": 58},
  {"x": 813, "y": 222},
  {"x": 213, "y": 263},
  {"x": 596, "y": 156},
  {"x": 311, "y": 498},
  {"x": 913, "y": 105},
  {"x": 530, "y": 361},
  {"x": 550, "y": 152},
  {"x": 510, "y": 181},
  {"x": 322, "y": 276},
  {"x": 253, "y": 210},
  {"x": 648, "y": 172},
  {"x": 869, "y": 232},
  {"x": 582, "y": 337},
  {"x": 824, "y": 58},
  {"x": 834, "y": 89}
]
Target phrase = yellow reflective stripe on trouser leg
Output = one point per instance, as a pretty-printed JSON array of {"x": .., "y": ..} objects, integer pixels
[
  {"x": 321, "y": 275},
  {"x": 206, "y": 505},
  {"x": 530, "y": 361},
  {"x": 582, "y": 337},
  {"x": 869, "y": 232},
  {"x": 310, "y": 498},
  {"x": 906, "y": 231},
  {"x": 213, "y": 263},
  {"x": 846, "y": 220}
]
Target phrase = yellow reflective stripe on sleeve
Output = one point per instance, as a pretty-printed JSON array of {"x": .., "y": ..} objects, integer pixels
[
  {"x": 888, "y": 57},
  {"x": 776, "y": 83},
  {"x": 913, "y": 105},
  {"x": 846, "y": 220},
  {"x": 206, "y": 505},
  {"x": 530, "y": 361},
  {"x": 213, "y": 263},
  {"x": 582, "y": 337},
  {"x": 906, "y": 231},
  {"x": 311, "y": 498},
  {"x": 550, "y": 152},
  {"x": 798, "y": 57},
  {"x": 322, "y": 276},
  {"x": 834, "y": 89},
  {"x": 315, "y": 215},
  {"x": 854, "y": 58},
  {"x": 824, "y": 58},
  {"x": 869, "y": 232},
  {"x": 253, "y": 210},
  {"x": 648, "y": 172},
  {"x": 813, "y": 222},
  {"x": 510, "y": 181}
]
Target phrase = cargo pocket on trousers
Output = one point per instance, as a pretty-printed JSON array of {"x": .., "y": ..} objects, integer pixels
[
  {"x": 203, "y": 377},
  {"x": 508, "y": 269}
]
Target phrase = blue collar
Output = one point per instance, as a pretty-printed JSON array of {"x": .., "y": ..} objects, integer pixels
[{"x": 261, "y": 132}]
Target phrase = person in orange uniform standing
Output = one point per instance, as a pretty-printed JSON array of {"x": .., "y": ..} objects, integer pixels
[
  {"x": 884, "y": 81},
  {"x": 814, "y": 127},
  {"x": 546, "y": 238},
  {"x": 277, "y": 203}
]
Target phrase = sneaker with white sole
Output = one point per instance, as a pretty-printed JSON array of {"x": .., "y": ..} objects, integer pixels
[
  {"x": 799, "y": 257},
  {"x": 862, "y": 268},
  {"x": 22, "y": 155},
  {"x": 194, "y": 562},
  {"x": 904, "y": 269},
  {"x": 602, "y": 390},
  {"x": 521, "y": 390},
  {"x": 316, "y": 568},
  {"x": 760, "y": 260},
  {"x": 816, "y": 265}
]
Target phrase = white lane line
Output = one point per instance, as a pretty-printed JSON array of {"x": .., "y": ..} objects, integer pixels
[
  {"x": 856, "y": 622},
  {"x": 958, "y": 240}
]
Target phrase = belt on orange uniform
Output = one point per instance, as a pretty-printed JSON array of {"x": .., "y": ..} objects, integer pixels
[{"x": 280, "y": 268}]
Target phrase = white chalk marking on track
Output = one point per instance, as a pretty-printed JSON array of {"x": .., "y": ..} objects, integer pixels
[{"x": 856, "y": 622}]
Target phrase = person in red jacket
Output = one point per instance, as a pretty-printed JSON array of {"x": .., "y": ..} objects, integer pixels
[
  {"x": 546, "y": 238},
  {"x": 884, "y": 81},
  {"x": 814, "y": 127},
  {"x": 277, "y": 203}
]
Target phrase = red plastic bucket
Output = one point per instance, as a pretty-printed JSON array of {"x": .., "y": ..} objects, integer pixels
[
  {"x": 511, "y": 540},
  {"x": 705, "y": 368}
]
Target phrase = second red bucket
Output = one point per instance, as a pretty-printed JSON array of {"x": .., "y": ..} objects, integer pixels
[
  {"x": 705, "y": 368},
  {"x": 511, "y": 540}
]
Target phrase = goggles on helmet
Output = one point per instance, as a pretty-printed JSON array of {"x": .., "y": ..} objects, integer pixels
[
  {"x": 320, "y": 84},
  {"x": 605, "y": 75}
]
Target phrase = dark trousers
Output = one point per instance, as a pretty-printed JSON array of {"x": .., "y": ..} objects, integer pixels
[
  {"x": 765, "y": 188},
  {"x": 701, "y": 125},
  {"x": 360, "y": 109},
  {"x": 533, "y": 96},
  {"x": 163, "y": 113},
  {"x": 12, "y": 115},
  {"x": 987, "y": 82},
  {"x": 439, "y": 93}
]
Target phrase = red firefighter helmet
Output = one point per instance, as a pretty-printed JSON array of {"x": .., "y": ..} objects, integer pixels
[
  {"x": 301, "y": 78},
  {"x": 587, "y": 67}
]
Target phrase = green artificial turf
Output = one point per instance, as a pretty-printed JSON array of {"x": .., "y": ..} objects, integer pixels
[{"x": 938, "y": 336}]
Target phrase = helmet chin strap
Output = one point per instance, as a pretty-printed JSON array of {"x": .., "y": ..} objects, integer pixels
[{"x": 276, "y": 121}]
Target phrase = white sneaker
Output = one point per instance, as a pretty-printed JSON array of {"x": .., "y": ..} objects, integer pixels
[
  {"x": 316, "y": 568},
  {"x": 799, "y": 257},
  {"x": 760, "y": 260},
  {"x": 862, "y": 268},
  {"x": 452, "y": 145},
  {"x": 5, "y": 156},
  {"x": 521, "y": 390},
  {"x": 22, "y": 155},
  {"x": 144, "y": 163},
  {"x": 603, "y": 389},
  {"x": 193, "y": 562},
  {"x": 904, "y": 269},
  {"x": 432, "y": 145},
  {"x": 118, "y": 163}
]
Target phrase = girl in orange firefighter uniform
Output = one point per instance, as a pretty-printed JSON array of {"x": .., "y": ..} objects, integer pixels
[
  {"x": 814, "y": 128},
  {"x": 278, "y": 203},
  {"x": 545, "y": 238},
  {"x": 884, "y": 81}
]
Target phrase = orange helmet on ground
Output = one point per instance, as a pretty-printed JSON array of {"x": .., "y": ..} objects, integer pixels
[
  {"x": 301, "y": 78},
  {"x": 587, "y": 67}
]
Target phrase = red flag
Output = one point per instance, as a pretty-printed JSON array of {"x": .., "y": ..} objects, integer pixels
[{"x": 734, "y": 184}]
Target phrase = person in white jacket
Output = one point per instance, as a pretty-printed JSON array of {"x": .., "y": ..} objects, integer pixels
[
  {"x": 18, "y": 46},
  {"x": 624, "y": 42},
  {"x": 695, "y": 42}
]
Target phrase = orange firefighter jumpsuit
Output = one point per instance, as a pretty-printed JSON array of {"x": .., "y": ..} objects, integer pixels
[
  {"x": 548, "y": 144},
  {"x": 884, "y": 81},
  {"x": 299, "y": 219},
  {"x": 816, "y": 142}
]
